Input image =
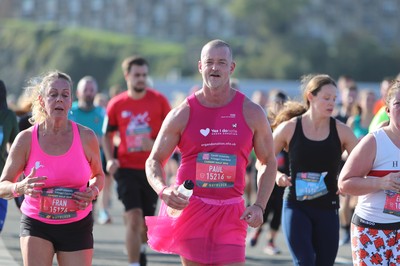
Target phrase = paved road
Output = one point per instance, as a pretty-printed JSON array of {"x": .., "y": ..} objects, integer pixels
[{"x": 109, "y": 245}]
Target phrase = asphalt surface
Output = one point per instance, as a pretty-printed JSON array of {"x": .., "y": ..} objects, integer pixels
[{"x": 109, "y": 245}]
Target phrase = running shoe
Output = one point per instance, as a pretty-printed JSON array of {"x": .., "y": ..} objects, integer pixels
[
  {"x": 104, "y": 217},
  {"x": 271, "y": 249},
  {"x": 345, "y": 240},
  {"x": 254, "y": 239}
]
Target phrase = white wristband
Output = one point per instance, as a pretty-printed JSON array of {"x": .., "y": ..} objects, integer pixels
[{"x": 98, "y": 190}]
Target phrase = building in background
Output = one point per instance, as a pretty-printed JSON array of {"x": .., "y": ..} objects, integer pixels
[
  {"x": 175, "y": 20},
  {"x": 178, "y": 20}
]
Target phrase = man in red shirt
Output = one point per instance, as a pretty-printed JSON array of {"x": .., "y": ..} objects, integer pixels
[{"x": 137, "y": 115}]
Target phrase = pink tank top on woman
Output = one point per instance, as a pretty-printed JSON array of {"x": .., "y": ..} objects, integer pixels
[
  {"x": 215, "y": 146},
  {"x": 66, "y": 174}
]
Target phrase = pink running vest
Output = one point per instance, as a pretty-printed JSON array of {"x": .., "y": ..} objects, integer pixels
[
  {"x": 215, "y": 147},
  {"x": 65, "y": 173}
]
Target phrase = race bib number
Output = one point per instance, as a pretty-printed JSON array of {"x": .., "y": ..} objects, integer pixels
[
  {"x": 215, "y": 170},
  {"x": 310, "y": 185},
  {"x": 392, "y": 203},
  {"x": 135, "y": 136},
  {"x": 57, "y": 203}
]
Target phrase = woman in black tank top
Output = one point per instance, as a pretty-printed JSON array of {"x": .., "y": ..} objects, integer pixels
[{"x": 315, "y": 142}]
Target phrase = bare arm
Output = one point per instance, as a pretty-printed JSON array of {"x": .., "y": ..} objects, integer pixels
[
  {"x": 282, "y": 136},
  {"x": 264, "y": 150},
  {"x": 92, "y": 153},
  {"x": 108, "y": 148},
  {"x": 360, "y": 161},
  {"x": 15, "y": 164},
  {"x": 165, "y": 143},
  {"x": 347, "y": 137}
]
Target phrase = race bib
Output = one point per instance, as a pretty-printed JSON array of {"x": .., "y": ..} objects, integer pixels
[
  {"x": 310, "y": 185},
  {"x": 135, "y": 136},
  {"x": 215, "y": 170},
  {"x": 57, "y": 203},
  {"x": 392, "y": 203}
]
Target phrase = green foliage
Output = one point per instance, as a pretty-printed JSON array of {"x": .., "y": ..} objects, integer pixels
[
  {"x": 28, "y": 50},
  {"x": 266, "y": 47}
]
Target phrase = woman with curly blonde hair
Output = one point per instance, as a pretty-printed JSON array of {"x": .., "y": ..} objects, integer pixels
[{"x": 61, "y": 162}]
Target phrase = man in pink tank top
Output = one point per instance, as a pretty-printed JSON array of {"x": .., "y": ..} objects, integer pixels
[{"x": 215, "y": 129}]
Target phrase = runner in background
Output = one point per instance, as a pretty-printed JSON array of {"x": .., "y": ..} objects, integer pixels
[
  {"x": 136, "y": 115},
  {"x": 276, "y": 101},
  {"x": 359, "y": 122},
  {"x": 8, "y": 132},
  {"x": 84, "y": 112}
]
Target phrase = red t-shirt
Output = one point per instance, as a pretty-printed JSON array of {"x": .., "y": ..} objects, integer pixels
[{"x": 135, "y": 120}]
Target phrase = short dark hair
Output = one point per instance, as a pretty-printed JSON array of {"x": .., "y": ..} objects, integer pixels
[{"x": 133, "y": 60}]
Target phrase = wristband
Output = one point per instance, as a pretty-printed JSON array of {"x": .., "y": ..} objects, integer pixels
[
  {"x": 14, "y": 191},
  {"x": 258, "y": 205},
  {"x": 161, "y": 192},
  {"x": 98, "y": 190}
]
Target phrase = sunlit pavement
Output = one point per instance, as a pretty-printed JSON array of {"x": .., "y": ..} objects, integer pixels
[{"x": 109, "y": 245}]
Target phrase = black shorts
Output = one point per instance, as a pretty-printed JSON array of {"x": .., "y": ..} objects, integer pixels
[
  {"x": 134, "y": 191},
  {"x": 64, "y": 237}
]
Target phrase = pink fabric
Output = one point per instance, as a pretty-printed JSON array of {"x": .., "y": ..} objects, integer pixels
[
  {"x": 215, "y": 147},
  {"x": 216, "y": 130},
  {"x": 69, "y": 170},
  {"x": 209, "y": 233}
]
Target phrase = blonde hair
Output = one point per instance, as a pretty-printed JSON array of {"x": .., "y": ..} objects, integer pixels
[
  {"x": 394, "y": 87},
  {"x": 36, "y": 89}
]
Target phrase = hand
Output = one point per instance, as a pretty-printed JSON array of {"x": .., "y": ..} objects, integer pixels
[
  {"x": 174, "y": 199},
  {"x": 112, "y": 166},
  {"x": 253, "y": 215},
  {"x": 284, "y": 181},
  {"x": 31, "y": 185},
  {"x": 84, "y": 198},
  {"x": 391, "y": 182}
]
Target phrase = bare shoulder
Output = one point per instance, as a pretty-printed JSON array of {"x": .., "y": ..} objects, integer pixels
[
  {"x": 344, "y": 130},
  {"x": 87, "y": 135},
  {"x": 368, "y": 140},
  {"x": 22, "y": 144},
  {"x": 286, "y": 128},
  {"x": 366, "y": 148},
  {"x": 252, "y": 108},
  {"x": 254, "y": 114},
  {"x": 178, "y": 117},
  {"x": 24, "y": 138}
]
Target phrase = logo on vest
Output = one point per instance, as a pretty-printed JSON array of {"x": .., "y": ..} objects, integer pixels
[
  {"x": 229, "y": 116},
  {"x": 38, "y": 165},
  {"x": 205, "y": 132}
]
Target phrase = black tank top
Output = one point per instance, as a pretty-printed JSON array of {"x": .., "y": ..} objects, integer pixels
[{"x": 307, "y": 155}]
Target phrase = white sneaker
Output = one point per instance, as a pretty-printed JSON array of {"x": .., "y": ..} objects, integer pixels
[
  {"x": 271, "y": 249},
  {"x": 104, "y": 218}
]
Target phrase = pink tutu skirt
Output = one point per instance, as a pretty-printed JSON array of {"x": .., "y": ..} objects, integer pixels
[{"x": 208, "y": 231}]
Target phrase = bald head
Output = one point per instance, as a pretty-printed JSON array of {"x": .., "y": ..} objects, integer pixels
[
  {"x": 216, "y": 44},
  {"x": 86, "y": 91}
]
